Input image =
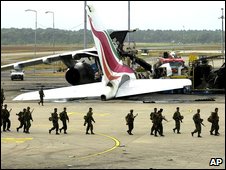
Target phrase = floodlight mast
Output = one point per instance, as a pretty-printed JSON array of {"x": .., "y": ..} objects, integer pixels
[
  {"x": 31, "y": 10},
  {"x": 222, "y": 34},
  {"x": 47, "y": 12},
  {"x": 53, "y": 30}
]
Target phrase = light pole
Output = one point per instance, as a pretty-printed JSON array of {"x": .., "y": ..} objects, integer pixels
[
  {"x": 85, "y": 26},
  {"x": 222, "y": 33},
  {"x": 53, "y": 37},
  {"x": 129, "y": 21},
  {"x": 183, "y": 42},
  {"x": 53, "y": 31},
  {"x": 35, "y": 28}
]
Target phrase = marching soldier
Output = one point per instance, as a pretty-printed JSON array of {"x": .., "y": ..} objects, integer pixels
[
  {"x": 198, "y": 121},
  {"x": 214, "y": 119},
  {"x": 178, "y": 119},
  {"x": 54, "y": 119},
  {"x": 1, "y": 118},
  {"x": 64, "y": 118},
  {"x": 89, "y": 119},
  {"x": 129, "y": 121},
  {"x": 41, "y": 95},
  {"x": 27, "y": 119},
  {"x": 159, "y": 119},
  {"x": 21, "y": 118},
  {"x": 2, "y": 96},
  {"x": 5, "y": 118},
  {"x": 152, "y": 117}
]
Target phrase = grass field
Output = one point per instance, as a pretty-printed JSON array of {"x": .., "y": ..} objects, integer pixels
[{"x": 15, "y": 53}]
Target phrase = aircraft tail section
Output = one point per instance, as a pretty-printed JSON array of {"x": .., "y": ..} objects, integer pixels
[{"x": 112, "y": 65}]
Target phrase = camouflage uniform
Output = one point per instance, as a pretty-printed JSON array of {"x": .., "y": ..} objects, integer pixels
[
  {"x": 89, "y": 119},
  {"x": 54, "y": 117},
  {"x": 152, "y": 117},
  {"x": 21, "y": 118},
  {"x": 178, "y": 118},
  {"x": 5, "y": 118},
  {"x": 214, "y": 119},
  {"x": 41, "y": 94},
  {"x": 1, "y": 118},
  {"x": 159, "y": 119},
  {"x": 198, "y": 121},
  {"x": 129, "y": 121},
  {"x": 27, "y": 119},
  {"x": 64, "y": 118},
  {"x": 2, "y": 96}
]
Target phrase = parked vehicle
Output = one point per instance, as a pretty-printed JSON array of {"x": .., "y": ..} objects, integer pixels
[{"x": 17, "y": 75}]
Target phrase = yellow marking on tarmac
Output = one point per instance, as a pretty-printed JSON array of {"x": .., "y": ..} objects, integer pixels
[
  {"x": 190, "y": 110},
  {"x": 71, "y": 113},
  {"x": 15, "y": 140},
  {"x": 102, "y": 114},
  {"x": 117, "y": 143}
]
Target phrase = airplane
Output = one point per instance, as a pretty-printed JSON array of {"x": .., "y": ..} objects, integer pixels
[{"x": 118, "y": 79}]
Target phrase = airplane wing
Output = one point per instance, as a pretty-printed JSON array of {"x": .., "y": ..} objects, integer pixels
[
  {"x": 142, "y": 86},
  {"x": 66, "y": 57},
  {"x": 80, "y": 91}
]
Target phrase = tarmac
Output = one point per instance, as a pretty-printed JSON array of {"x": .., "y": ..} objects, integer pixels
[{"x": 111, "y": 147}]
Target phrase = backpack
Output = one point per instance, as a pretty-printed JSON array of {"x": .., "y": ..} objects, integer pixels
[{"x": 209, "y": 119}]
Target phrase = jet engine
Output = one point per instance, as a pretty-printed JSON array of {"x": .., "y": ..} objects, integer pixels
[{"x": 81, "y": 73}]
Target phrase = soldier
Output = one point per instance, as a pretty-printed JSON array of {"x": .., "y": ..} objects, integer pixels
[
  {"x": 89, "y": 119},
  {"x": 159, "y": 119},
  {"x": 152, "y": 117},
  {"x": 2, "y": 96},
  {"x": 54, "y": 119},
  {"x": 129, "y": 121},
  {"x": 27, "y": 119},
  {"x": 41, "y": 94},
  {"x": 64, "y": 118},
  {"x": 214, "y": 119},
  {"x": 1, "y": 118},
  {"x": 178, "y": 119},
  {"x": 5, "y": 118},
  {"x": 21, "y": 118},
  {"x": 198, "y": 121}
]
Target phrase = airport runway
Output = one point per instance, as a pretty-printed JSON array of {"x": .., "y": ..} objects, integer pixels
[{"x": 111, "y": 147}]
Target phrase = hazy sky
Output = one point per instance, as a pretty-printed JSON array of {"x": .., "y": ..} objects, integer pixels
[{"x": 69, "y": 15}]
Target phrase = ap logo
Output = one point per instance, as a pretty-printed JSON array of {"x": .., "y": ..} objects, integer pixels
[{"x": 216, "y": 161}]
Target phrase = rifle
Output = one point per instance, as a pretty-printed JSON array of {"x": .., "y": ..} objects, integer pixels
[
  {"x": 32, "y": 110},
  {"x": 203, "y": 124},
  {"x": 10, "y": 110},
  {"x": 163, "y": 117},
  {"x": 136, "y": 115}
]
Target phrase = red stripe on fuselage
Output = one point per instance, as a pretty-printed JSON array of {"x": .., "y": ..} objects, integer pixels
[
  {"x": 109, "y": 54},
  {"x": 106, "y": 70}
]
